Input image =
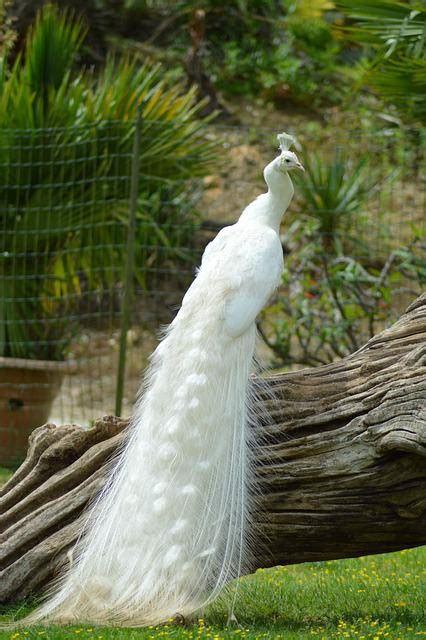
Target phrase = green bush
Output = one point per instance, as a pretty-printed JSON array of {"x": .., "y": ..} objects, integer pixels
[
  {"x": 312, "y": 34},
  {"x": 297, "y": 63},
  {"x": 332, "y": 192}
]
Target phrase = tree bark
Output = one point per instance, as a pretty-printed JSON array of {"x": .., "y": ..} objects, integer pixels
[{"x": 342, "y": 468}]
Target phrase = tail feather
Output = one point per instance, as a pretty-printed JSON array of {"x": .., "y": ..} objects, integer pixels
[{"x": 170, "y": 528}]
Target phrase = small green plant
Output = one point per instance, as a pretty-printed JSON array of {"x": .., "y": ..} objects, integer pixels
[{"x": 333, "y": 192}]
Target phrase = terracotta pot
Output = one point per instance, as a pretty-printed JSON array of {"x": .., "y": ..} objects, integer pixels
[{"x": 27, "y": 391}]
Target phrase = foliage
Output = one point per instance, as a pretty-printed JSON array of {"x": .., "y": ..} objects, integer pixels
[
  {"x": 307, "y": 9},
  {"x": 396, "y": 32},
  {"x": 330, "y": 304},
  {"x": 65, "y": 148},
  {"x": 5, "y": 474},
  {"x": 379, "y": 596},
  {"x": 280, "y": 50},
  {"x": 291, "y": 71},
  {"x": 286, "y": 58},
  {"x": 7, "y": 32},
  {"x": 166, "y": 221},
  {"x": 332, "y": 192}
]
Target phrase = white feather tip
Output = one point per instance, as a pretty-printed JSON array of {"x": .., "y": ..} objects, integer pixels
[{"x": 285, "y": 141}]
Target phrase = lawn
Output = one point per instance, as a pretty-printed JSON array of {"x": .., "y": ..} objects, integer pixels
[
  {"x": 5, "y": 474},
  {"x": 370, "y": 598}
]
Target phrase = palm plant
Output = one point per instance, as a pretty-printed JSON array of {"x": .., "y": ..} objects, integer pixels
[
  {"x": 396, "y": 33},
  {"x": 332, "y": 192},
  {"x": 65, "y": 151}
]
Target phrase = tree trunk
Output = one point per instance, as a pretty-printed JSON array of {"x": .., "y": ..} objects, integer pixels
[{"x": 342, "y": 466}]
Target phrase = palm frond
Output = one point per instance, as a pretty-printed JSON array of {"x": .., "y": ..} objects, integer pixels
[
  {"x": 332, "y": 192},
  {"x": 378, "y": 21},
  {"x": 397, "y": 33},
  {"x": 51, "y": 47}
]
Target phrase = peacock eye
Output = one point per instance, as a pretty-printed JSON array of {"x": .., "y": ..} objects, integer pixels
[{"x": 287, "y": 160}]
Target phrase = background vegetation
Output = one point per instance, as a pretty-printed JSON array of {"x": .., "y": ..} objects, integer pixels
[{"x": 66, "y": 151}]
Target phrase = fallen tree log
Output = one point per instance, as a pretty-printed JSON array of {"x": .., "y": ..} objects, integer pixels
[{"x": 342, "y": 467}]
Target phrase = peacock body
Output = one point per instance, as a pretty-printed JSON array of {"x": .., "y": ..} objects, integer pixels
[{"x": 171, "y": 527}]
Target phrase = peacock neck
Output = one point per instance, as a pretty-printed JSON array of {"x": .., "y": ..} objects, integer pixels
[{"x": 269, "y": 208}]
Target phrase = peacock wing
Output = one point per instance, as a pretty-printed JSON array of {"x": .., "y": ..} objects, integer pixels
[{"x": 257, "y": 265}]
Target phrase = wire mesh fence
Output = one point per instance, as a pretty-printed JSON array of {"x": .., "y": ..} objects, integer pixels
[{"x": 98, "y": 249}]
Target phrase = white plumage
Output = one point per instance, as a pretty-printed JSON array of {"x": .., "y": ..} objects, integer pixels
[{"x": 171, "y": 527}]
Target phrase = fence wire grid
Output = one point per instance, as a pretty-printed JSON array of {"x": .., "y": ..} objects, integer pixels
[{"x": 73, "y": 309}]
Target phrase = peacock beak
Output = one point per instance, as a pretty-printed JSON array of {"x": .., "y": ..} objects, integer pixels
[{"x": 300, "y": 166}]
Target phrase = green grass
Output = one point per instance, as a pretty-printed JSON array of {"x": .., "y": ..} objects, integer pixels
[
  {"x": 5, "y": 474},
  {"x": 371, "y": 598}
]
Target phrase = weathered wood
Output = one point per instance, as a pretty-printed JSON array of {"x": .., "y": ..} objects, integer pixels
[{"x": 342, "y": 467}]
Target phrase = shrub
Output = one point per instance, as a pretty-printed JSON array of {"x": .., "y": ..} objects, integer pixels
[
  {"x": 332, "y": 192},
  {"x": 280, "y": 50},
  {"x": 297, "y": 63}
]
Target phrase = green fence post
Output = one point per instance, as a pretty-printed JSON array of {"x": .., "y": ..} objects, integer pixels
[{"x": 128, "y": 294}]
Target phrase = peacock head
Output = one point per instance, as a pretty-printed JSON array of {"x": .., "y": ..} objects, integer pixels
[
  {"x": 286, "y": 161},
  {"x": 289, "y": 161}
]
